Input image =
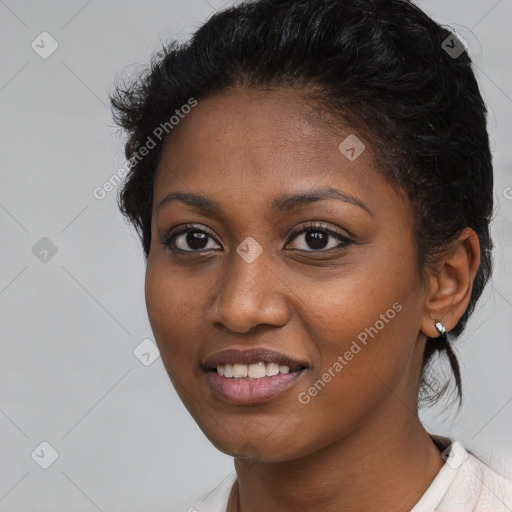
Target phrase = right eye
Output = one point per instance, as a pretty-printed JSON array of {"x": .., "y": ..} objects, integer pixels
[{"x": 189, "y": 239}]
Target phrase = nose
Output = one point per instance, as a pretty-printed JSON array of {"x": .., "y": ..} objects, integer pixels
[{"x": 250, "y": 295}]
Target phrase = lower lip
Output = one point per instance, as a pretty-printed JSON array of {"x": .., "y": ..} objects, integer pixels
[{"x": 252, "y": 391}]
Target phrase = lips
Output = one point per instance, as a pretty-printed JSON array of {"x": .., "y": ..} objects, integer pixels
[{"x": 253, "y": 388}]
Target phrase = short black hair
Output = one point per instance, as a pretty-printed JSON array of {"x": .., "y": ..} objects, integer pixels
[{"x": 381, "y": 66}]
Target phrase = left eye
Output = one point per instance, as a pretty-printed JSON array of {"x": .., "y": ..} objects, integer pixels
[{"x": 316, "y": 237}]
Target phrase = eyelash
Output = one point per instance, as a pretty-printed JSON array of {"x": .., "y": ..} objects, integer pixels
[{"x": 308, "y": 226}]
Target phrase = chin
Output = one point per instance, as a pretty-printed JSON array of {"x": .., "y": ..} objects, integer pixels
[{"x": 252, "y": 447}]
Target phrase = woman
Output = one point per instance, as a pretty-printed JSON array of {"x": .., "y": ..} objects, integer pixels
[{"x": 312, "y": 184}]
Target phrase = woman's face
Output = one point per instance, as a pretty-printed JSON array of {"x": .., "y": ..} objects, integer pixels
[{"x": 328, "y": 280}]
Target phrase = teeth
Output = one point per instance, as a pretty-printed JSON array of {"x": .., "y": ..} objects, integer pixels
[
  {"x": 239, "y": 370},
  {"x": 257, "y": 371},
  {"x": 272, "y": 369},
  {"x": 251, "y": 371}
]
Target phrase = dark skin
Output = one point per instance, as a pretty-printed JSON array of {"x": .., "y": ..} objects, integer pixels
[{"x": 358, "y": 444}]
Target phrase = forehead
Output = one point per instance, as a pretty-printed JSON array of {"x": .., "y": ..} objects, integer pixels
[
  {"x": 259, "y": 143},
  {"x": 240, "y": 121}
]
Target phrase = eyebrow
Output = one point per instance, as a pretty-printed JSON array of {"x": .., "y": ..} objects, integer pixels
[{"x": 280, "y": 204}]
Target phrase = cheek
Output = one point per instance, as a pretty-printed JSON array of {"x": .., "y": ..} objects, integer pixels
[
  {"x": 365, "y": 331},
  {"x": 171, "y": 312},
  {"x": 174, "y": 319},
  {"x": 159, "y": 303}
]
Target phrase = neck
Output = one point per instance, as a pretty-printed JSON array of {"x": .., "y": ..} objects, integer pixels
[{"x": 391, "y": 467}]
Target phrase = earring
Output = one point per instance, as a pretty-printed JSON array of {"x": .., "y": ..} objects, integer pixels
[{"x": 440, "y": 328}]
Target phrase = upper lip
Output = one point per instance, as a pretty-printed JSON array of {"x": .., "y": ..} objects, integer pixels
[{"x": 255, "y": 355}]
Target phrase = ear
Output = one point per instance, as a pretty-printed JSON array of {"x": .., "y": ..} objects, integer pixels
[{"x": 450, "y": 282}]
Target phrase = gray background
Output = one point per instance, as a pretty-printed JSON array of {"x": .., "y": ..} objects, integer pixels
[{"x": 70, "y": 324}]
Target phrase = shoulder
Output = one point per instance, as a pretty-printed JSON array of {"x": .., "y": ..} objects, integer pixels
[
  {"x": 215, "y": 500},
  {"x": 477, "y": 487}
]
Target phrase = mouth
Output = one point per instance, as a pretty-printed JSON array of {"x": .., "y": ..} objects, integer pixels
[
  {"x": 257, "y": 370},
  {"x": 251, "y": 376}
]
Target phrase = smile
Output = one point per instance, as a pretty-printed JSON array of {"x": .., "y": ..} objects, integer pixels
[
  {"x": 252, "y": 371},
  {"x": 251, "y": 376}
]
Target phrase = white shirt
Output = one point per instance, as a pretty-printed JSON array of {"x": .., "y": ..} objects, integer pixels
[{"x": 463, "y": 484}]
